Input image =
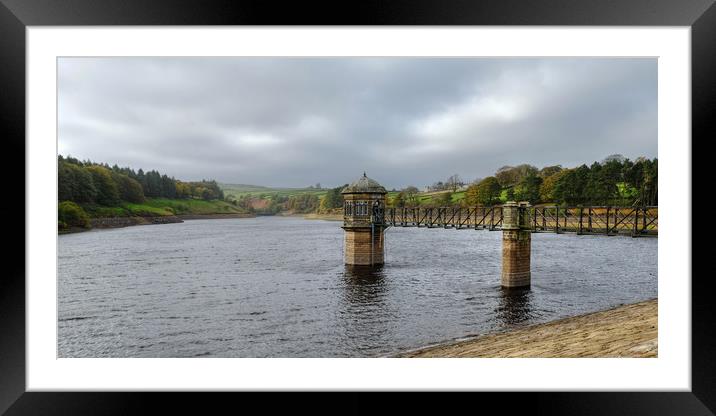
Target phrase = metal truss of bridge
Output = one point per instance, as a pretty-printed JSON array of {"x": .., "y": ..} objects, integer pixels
[
  {"x": 602, "y": 220},
  {"x": 366, "y": 217}
]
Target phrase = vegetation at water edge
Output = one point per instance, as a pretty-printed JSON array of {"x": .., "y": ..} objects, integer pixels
[{"x": 93, "y": 190}]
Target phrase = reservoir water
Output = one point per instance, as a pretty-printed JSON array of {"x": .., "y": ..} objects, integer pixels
[{"x": 277, "y": 287}]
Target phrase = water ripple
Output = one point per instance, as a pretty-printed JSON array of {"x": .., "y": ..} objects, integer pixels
[{"x": 277, "y": 287}]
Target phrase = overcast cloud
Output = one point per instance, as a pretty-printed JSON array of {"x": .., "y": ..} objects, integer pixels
[{"x": 298, "y": 121}]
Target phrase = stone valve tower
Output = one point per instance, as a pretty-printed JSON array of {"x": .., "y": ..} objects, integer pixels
[
  {"x": 364, "y": 242},
  {"x": 516, "y": 245}
]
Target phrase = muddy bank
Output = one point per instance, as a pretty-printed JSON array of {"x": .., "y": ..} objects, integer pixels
[{"x": 624, "y": 331}]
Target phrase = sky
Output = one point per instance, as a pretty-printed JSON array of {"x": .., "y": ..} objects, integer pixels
[{"x": 295, "y": 122}]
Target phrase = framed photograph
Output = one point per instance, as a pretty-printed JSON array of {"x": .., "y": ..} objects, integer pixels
[{"x": 407, "y": 198}]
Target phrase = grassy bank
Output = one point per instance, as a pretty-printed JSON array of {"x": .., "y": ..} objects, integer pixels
[
  {"x": 74, "y": 218},
  {"x": 624, "y": 331},
  {"x": 157, "y": 207}
]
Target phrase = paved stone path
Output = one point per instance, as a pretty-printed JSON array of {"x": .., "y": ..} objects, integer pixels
[{"x": 625, "y": 331}]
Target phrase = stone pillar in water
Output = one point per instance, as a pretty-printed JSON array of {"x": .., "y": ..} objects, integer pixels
[
  {"x": 516, "y": 245},
  {"x": 364, "y": 242}
]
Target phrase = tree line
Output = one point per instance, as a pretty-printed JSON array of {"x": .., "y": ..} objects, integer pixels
[
  {"x": 453, "y": 183},
  {"x": 615, "y": 180},
  {"x": 302, "y": 203},
  {"x": 87, "y": 182}
]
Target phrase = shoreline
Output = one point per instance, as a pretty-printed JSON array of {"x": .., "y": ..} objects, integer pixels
[
  {"x": 324, "y": 217},
  {"x": 214, "y": 216},
  {"x": 311, "y": 216},
  {"x": 103, "y": 223},
  {"x": 624, "y": 331}
]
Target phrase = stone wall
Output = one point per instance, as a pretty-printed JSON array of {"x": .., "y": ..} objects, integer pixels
[
  {"x": 363, "y": 249},
  {"x": 214, "y": 216},
  {"x": 119, "y": 222}
]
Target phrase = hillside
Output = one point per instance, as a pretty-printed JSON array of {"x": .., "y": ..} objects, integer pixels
[
  {"x": 239, "y": 190},
  {"x": 157, "y": 207}
]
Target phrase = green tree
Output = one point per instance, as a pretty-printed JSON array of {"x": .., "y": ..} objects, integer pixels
[
  {"x": 74, "y": 183},
  {"x": 107, "y": 190},
  {"x": 153, "y": 187},
  {"x": 168, "y": 187},
  {"x": 510, "y": 193},
  {"x": 332, "y": 199},
  {"x": 528, "y": 188},
  {"x": 129, "y": 189},
  {"x": 410, "y": 195},
  {"x": 442, "y": 199},
  {"x": 570, "y": 188},
  {"x": 65, "y": 181},
  {"x": 645, "y": 178},
  {"x": 70, "y": 214},
  {"x": 398, "y": 201}
]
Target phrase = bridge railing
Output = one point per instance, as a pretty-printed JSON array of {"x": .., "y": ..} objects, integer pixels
[{"x": 605, "y": 220}]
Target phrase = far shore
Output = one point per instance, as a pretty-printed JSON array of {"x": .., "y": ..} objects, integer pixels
[
  {"x": 312, "y": 215},
  {"x": 624, "y": 331},
  {"x": 325, "y": 217}
]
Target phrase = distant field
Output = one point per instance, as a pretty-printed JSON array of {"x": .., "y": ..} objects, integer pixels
[{"x": 263, "y": 192}]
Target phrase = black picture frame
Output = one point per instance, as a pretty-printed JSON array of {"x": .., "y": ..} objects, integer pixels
[{"x": 15, "y": 15}]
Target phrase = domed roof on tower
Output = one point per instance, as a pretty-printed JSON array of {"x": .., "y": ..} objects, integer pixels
[{"x": 364, "y": 185}]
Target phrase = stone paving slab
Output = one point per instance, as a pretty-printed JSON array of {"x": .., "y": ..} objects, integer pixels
[{"x": 625, "y": 331}]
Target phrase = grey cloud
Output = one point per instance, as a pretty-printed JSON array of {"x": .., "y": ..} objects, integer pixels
[{"x": 298, "y": 121}]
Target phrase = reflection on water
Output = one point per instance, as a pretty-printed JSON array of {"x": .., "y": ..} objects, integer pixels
[
  {"x": 515, "y": 306},
  {"x": 277, "y": 287},
  {"x": 364, "y": 284},
  {"x": 365, "y": 317}
]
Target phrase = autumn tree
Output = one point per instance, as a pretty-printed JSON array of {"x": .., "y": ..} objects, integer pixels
[
  {"x": 548, "y": 171},
  {"x": 512, "y": 175},
  {"x": 486, "y": 192},
  {"x": 546, "y": 189}
]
